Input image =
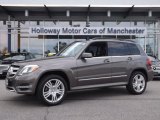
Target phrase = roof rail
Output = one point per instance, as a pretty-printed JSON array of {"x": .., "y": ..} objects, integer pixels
[
  {"x": 102, "y": 38},
  {"x": 128, "y": 40}
]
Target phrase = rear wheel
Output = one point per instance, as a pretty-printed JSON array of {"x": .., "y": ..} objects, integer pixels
[
  {"x": 52, "y": 90},
  {"x": 137, "y": 83}
]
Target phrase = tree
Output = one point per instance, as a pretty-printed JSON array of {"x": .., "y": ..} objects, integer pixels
[{"x": 4, "y": 50}]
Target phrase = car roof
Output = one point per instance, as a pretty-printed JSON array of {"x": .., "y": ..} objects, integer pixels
[{"x": 115, "y": 40}]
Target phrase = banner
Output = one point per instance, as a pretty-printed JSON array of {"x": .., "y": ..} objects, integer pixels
[{"x": 87, "y": 31}]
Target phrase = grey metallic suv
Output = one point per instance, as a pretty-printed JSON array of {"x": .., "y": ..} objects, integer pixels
[{"x": 81, "y": 65}]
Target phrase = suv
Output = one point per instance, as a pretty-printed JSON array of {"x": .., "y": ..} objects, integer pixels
[{"x": 82, "y": 65}]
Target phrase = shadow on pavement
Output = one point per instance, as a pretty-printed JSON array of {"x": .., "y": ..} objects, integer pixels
[
  {"x": 96, "y": 94},
  {"x": 90, "y": 94},
  {"x": 2, "y": 78},
  {"x": 25, "y": 101}
]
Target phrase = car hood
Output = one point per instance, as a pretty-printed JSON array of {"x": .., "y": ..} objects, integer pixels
[
  {"x": 9, "y": 61},
  {"x": 56, "y": 60}
]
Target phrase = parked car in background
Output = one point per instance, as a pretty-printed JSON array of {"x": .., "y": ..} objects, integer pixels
[
  {"x": 155, "y": 66},
  {"x": 10, "y": 58}
]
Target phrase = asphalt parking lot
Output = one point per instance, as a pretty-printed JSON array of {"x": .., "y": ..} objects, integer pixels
[{"x": 96, "y": 104}]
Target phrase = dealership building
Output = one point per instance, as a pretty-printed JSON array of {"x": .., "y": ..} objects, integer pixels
[{"x": 41, "y": 28}]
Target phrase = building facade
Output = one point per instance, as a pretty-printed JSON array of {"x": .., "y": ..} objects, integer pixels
[{"x": 16, "y": 21}]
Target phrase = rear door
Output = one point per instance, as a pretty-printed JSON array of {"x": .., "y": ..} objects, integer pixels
[{"x": 120, "y": 58}]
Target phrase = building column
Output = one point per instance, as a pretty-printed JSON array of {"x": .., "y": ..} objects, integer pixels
[
  {"x": 19, "y": 38},
  {"x": 158, "y": 39},
  {"x": 9, "y": 34}
]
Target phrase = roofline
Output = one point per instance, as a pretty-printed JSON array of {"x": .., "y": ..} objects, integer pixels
[{"x": 50, "y": 5}]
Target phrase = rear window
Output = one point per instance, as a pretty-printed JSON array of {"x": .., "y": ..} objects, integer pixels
[
  {"x": 133, "y": 49},
  {"x": 118, "y": 49}
]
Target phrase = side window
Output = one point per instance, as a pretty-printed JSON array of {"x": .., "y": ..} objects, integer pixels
[
  {"x": 97, "y": 49},
  {"x": 118, "y": 49},
  {"x": 133, "y": 49}
]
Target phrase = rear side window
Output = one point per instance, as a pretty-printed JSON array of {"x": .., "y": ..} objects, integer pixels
[
  {"x": 133, "y": 49},
  {"x": 118, "y": 49}
]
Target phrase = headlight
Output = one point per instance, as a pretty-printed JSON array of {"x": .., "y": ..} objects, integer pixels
[{"x": 28, "y": 69}]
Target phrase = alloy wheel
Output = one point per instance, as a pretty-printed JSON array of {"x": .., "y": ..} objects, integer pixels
[
  {"x": 139, "y": 83},
  {"x": 53, "y": 90}
]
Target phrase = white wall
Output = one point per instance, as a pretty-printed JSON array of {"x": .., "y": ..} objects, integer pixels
[{"x": 83, "y": 2}]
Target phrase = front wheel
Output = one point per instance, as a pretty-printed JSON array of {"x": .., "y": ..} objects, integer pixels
[
  {"x": 137, "y": 83},
  {"x": 52, "y": 90}
]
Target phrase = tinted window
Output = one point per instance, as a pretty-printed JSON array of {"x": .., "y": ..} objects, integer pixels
[
  {"x": 118, "y": 49},
  {"x": 133, "y": 49},
  {"x": 97, "y": 49}
]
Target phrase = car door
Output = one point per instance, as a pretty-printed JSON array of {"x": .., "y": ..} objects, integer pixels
[
  {"x": 120, "y": 58},
  {"x": 95, "y": 70}
]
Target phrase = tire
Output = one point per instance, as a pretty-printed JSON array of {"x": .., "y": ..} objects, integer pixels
[
  {"x": 137, "y": 83},
  {"x": 52, "y": 90}
]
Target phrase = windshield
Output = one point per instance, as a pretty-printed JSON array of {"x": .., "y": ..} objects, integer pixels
[
  {"x": 72, "y": 50},
  {"x": 17, "y": 57}
]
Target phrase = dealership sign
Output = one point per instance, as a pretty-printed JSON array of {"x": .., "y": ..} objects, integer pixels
[{"x": 87, "y": 31}]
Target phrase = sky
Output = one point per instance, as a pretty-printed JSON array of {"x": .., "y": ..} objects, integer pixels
[{"x": 83, "y": 2}]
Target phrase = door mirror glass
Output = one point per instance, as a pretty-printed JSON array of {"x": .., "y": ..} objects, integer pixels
[{"x": 86, "y": 55}]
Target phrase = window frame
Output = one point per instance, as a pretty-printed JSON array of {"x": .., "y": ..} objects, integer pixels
[{"x": 106, "y": 43}]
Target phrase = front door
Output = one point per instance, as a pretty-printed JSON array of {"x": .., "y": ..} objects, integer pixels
[{"x": 95, "y": 70}]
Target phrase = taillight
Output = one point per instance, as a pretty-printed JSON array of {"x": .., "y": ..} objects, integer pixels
[{"x": 148, "y": 64}]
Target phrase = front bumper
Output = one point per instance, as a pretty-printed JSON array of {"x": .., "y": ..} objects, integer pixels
[
  {"x": 3, "y": 70},
  {"x": 25, "y": 84},
  {"x": 3, "y": 73}
]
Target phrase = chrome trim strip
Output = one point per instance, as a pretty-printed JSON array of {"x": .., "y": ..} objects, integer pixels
[
  {"x": 21, "y": 87},
  {"x": 99, "y": 85},
  {"x": 102, "y": 78},
  {"x": 119, "y": 76}
]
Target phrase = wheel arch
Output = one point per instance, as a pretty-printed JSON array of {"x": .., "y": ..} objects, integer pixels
[
  {"x": 53, "y": 72},
  {"x": 140, "y": 70}
]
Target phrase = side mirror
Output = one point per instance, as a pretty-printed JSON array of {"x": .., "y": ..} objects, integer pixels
[{"x": 86, "y": 55}]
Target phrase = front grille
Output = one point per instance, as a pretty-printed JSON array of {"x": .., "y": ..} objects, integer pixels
[{"x": 13, "y": 70}]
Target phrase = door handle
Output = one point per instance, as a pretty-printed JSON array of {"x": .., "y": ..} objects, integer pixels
[
  {"x": 129, "y": 58},
  {"x": 106, "y": 61}
]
